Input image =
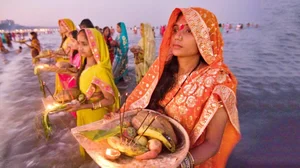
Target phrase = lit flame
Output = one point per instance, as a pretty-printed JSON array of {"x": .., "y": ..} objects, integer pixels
[
  {"x": 112, "y": 154},
  {"x": 49, "y": 107},
  {"x": 109, "y": 151},
  {"x": 52, "y": 106},
  {"x": 42, "y": 66}
]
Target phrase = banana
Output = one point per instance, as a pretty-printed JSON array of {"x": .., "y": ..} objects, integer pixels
[
  {"x": 160, "y": 135},
  {"x": 126, "y": 148},
  {"x": 159, "y": 122}
]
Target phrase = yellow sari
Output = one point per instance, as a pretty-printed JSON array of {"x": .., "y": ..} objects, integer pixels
[
  {"x": 95, "y": 79},
  {"x": 144, "y": 60},
  {"x": 70, "y": 26}
]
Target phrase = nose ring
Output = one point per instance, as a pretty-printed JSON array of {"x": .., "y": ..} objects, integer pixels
[{"x": 180, "y": 38}]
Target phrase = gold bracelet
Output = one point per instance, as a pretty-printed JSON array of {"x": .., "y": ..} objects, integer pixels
[
  {"x": 185, "y": 163},
  {"x": 96, "y": 106},
  {"x": 99, "y": 103},
  {"x": 191, "y": 158},
  {"x": 93, "y": 106}
]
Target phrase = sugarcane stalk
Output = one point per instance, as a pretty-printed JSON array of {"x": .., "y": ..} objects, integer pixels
[
  {"x": 41, "y": 82},
  {"x": 55, "y": 108}
]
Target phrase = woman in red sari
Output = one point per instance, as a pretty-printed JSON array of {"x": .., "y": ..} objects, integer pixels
[
  {"x": 110, "y": 43},
  {"x": 190, "y": 83}
]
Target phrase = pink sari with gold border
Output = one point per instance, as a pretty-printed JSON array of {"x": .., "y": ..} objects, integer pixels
[{"x": 69, "y": 81}]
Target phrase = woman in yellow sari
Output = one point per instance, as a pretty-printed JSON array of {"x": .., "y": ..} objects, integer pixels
[
  {"x": 62, "y": 55},
  {"x": 190, "y": 83},
  {"x": 144, "y": 53},
  {"x": 95, "y": 79}
]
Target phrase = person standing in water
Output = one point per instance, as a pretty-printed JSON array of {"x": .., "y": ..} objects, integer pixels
[
  {"x": 2, "y": 48},
  {"x": 19, "y": 50},
  {"x": 112, "y": 31},
  {"x": 95, "y": 80},
  {"x": 110, "y": 43},
  {"x": 190, "y": 83},
  {"x": 35, "y": 46},
  {"x": 144, "y": 52},
  {"x": 121, "y": 58},
  {"x": 135, "y": 29},
  {"x": 62, "y": 55}
]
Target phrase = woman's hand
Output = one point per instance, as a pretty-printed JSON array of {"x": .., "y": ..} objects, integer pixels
[
  {"x": 133, "y": 50},
  {"x": 111, "y": 49},
  {"x": 53, "y": 55},
  {"x": 141, "y": 51},
  {"x": 111, "y": 115},
  {"x": 74, "y": 106},
  {"x": 213, "y": 137},
  {"x": 113, "y": 43},
  {"x": 117, "y": 44}
]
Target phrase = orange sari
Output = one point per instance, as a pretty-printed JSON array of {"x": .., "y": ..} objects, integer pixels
[{"x": 197, "y": 100}]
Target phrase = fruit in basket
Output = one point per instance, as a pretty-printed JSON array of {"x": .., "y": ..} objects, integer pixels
[
  {"x": 155, "y": 147},
  {"x": 129, "y": 132},
  {"x": 147, "y": 158},
  {"x": 126, "y": 124},
  {"x": 159, "y": 134},
  {"x": 142, "y": 140},
  {"x": 126, "y": 147},
  {"x": 160, "y": 123}
]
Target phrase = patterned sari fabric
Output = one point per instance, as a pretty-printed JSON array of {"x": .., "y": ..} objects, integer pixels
[
  {"x": 111, "y": 50},
  {"x": 144, "y": 60},
  {"x": 121, "y": 58},
  {"x": 65, "y": 81},
  {"x": 197, "y": 100}
]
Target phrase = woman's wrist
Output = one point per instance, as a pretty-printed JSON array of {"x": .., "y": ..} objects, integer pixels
[
  {"x": 96, "y": 105},
  {"x": 191, "y": 159},
  {"x": 85, "y": 106},
  {"x": 188, "y": 161}
]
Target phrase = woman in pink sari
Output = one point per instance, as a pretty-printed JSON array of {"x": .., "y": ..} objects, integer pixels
[
  {"x": 68, "y": 81},
  {"x": 63, "y": 55},
  {"x": 67, "y": 72}
]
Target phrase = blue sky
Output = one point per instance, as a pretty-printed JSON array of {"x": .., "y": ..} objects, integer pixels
[{"x": 132, "y": 12}]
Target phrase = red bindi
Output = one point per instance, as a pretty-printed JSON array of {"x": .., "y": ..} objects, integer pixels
[{"x": 181, "y": 26}]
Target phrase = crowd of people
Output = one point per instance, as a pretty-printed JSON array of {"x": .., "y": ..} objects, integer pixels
[
  {"x": 228, "y": 26},
  {"x": 19, "y": 37},
  {"x": 188, "y": 81}
]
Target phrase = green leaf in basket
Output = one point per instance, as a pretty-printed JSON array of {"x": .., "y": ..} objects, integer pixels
[{"x": 98, "y": 135}]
